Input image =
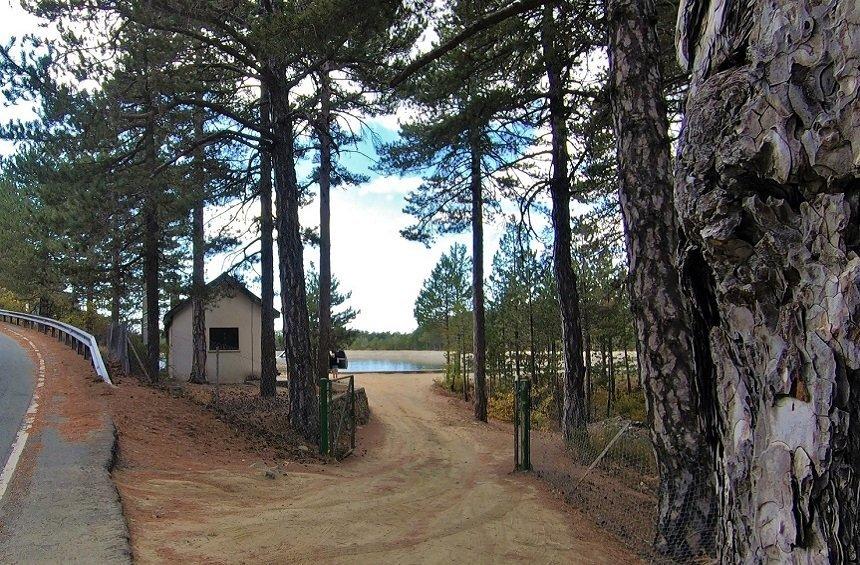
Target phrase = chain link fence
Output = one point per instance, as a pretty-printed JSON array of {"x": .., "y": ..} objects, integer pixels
[{"x": 607, "y": 470}]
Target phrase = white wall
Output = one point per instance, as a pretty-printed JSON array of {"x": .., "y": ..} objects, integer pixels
[{"x": 233, "y": 366}]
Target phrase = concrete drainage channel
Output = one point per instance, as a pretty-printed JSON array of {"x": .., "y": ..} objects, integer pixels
[{"x": 61, "y": 504}]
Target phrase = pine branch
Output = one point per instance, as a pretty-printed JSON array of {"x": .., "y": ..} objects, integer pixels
[{"x": 486, "y": 22}]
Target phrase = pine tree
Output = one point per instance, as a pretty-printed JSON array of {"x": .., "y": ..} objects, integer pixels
[
  {"x": 462, "y": 135},
  {"x": 669, "y": 367},
  {"x": 342, "y": 315},
  {"x": 443, "y": 295}
]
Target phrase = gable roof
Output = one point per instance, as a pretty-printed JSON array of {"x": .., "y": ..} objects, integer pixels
[{"x": 224, "y": 281}]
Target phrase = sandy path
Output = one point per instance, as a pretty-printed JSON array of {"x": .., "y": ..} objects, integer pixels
[{"x": 433, "y": 487}]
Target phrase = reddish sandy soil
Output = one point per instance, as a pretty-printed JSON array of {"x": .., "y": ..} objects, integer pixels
[
  {"x": 428, "y": 485},
  {"x": 73, "y": 395},
  {"x": 73, "y": 402}
]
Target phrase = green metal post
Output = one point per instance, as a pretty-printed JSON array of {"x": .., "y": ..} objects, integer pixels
[{"x": 325, "y": 390}]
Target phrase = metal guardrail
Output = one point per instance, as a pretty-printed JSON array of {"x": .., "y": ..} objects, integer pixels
[{"x": 82, "y": 342}]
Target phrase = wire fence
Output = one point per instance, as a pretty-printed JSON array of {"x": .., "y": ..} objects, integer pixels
[
  {"x": 337, "y": 415},
  {"x": 608, "y": 469}
]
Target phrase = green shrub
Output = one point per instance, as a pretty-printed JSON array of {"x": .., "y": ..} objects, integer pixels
[
  {"x": 501, "y": 406},
  {"x": 632, "y": 406}
]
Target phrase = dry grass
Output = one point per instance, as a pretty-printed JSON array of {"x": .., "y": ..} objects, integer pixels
[{"x": 261, "y": 419}]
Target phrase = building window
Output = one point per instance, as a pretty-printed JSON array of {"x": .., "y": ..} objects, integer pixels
[{"x": 224, "y": 339}]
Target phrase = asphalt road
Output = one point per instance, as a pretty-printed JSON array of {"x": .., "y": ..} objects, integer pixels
[
  {"x": 61, "y": 506},
  {"x": 17, "y": 381}
]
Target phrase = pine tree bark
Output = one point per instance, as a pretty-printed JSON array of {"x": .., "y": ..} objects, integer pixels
[
  {"x": 675, "y": 387},
  {"x": 575, "y": 415},
  {"x": 627, "y": 370},
  {"x": 116, "y": 277},
  {"x": 767, "y": 191},
  {"x": 325, "y": 170},
  {"x": 479, "y": 345},
  {"x": 268, "y": 362},
  {"x": 589, "y": 379},
  {"x": 89, "y": 308},
  {"x": 198, "y": 283},
  {"x": 300, "y": 367},
  {"x": 612, "y": 387},
  {"x": 151, "y": 253},
  {"x": 604, "y": 368},
  {"x": 463, "y": 375},
  {"x": 448, "y": 367},
  {"x": 532, "y": 344}
]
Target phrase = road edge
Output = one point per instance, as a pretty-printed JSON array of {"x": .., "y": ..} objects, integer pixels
[{"x": 87, "y": 463}]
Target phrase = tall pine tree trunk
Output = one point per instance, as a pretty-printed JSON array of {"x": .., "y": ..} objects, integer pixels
[
  {"x": 324, "y": 134},
  {"x": 89, "y": 307},
  {"x": 589, "y": 378},
  {"x": 151, "y": 252},
  {"x": 463, "y": 374},
  {"x": 479, "y": 345},
  {"x": 574, "y": 415},
  {"x": 198, "y": 283},
  {"x": 268, "y": 362},
  {"x": 627, "y": 370},
  {"x": 116, "y": 277},
  {"x": 768, "y": 194},
  {"x": 611, "y": 384},
  {"x": 604, "y": 369},
  {"x": 300, "y": 367},
  {"x": 674, "y": 388},
  {"x": 448, "y": 367},
  {"x": 532, "y": 344}
]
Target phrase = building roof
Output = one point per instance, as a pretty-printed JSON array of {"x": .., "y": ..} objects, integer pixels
[{"x": 223, "y": 282}]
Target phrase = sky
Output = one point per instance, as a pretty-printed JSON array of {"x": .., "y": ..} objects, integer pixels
[{"x": 383, "y": 271}]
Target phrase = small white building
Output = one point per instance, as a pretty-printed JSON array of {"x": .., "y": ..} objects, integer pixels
[{"x": 233, "y": 326}]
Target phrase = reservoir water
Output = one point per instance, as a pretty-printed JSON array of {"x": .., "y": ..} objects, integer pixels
[
  {"x": 404, "y": 361},
  {"x": 389, "y": 366}
]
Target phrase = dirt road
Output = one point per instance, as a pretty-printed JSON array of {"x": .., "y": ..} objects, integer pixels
[{"x": 431, "y": 487}]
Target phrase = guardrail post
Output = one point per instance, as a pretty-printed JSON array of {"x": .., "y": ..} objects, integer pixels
[{"x": 325, "y": 393}]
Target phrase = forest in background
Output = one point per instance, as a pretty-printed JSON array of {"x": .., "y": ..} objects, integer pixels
[{"x": 742, "y": 274}]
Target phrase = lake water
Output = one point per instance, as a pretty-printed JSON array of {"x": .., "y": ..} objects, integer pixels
[
  {"x": 388, "y": 366},
  {"x": 365, "y": 361}
]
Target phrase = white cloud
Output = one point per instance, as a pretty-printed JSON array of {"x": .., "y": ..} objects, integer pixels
[
  {"x": 387, "y": 185},
  {"x": 14, "y": 20},
  {"x": 371, "y": 259},
  {"x": 388, "y": 121}
]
